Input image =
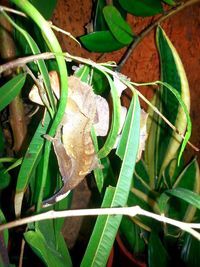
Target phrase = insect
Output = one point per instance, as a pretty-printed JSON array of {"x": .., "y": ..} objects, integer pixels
[{"x": 73, "y": 143}]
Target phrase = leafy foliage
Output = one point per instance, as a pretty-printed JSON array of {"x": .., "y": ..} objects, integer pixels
[
  {"x": 49, "y": 244},
  {"x": 142, "y": 8},
  {"x": 45, "y": 10},
  {"x": 158, "y": 183},
  {"x": 117, "y": 25},
  {"x": 102, "y": 41},
  {"x": 175, "y": 190},
  {"x": 110, "y": 29}
]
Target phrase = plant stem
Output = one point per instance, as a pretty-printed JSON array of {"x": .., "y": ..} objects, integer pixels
[
  {"x": 148, "y": 29},
  {"x": 128, "y": 211}
]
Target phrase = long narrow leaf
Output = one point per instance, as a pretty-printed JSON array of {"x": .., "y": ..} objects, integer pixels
[
  {"x": 5, "y": 232},
  {"x": 29, "y": 163},
  {"x": 11, "y": 89},
  {"x": 4, "y": 260},
  {"x": 104, "y": 233},
  {"x": 98, "y": 172},
  {"x": 142, "y": 7},
  {"x": 186, "y": 195},
  {"x": 189, "y": 123},
  {"x": 173, "y": 73},
  {"x": 45, "y": 10},
  {"x": 46, "y": 250},
  {"x": 112, "y": 136},
  {"x": 156, "y": 259},
  {"x": 163, "y": 144},
  {"x": 94, "y": 244},
  {"x": 187, "y": 180}
]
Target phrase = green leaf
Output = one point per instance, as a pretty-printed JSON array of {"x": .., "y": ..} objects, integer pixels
[
  {"x": 186, "y": 195},
  {"x": 189, "y": 123},
  {"x": 121, "y": 149},
  {"x": 189, "y": 179},
  {"x": 119, "y": 8},
  {"x": 163, "y": 144},
  {"x": 4, "y": 177},
  {"x": 43, "y": 8},
  {"x": 53, "y": 181},
  {"x": 4, "y": 258},
  {"x": 101, "y": 42},
  {"x": 98, "y": 172},
  {"x": 94, "y": 245},
  {"x": 17, "y": 163},
  {"x": 46, "y": 248},
  {"x": 99, "y": 82},
  {"x": 99, "y": 21},
  {"x": 142, "y": 7},
  {"x": 106, "y": 227},
  {"x": 162, "y": 202},
  {"x": 186, "y": 190},
  {"x": 170, "y": 2},
  {"x": 157, "y": 258},
  {"x": 190, "y": 251},
  {"x": 11, "y": 89},
  {"x": 173, "y": 73},
  {"x": 29, "y": 163},
  {"x": 132, "y": 235},
  {"x": 167, "y": 175},
  {"x": 5, "y": 232},
  {"x": 112, "y": 136},
  {"x": 146, "y": 201},
  {"x": 141, "y": 177},
  {"x": 54, "y": 47},
  {"x": 108, "y": 174},
  {"x": 83, "y": 73},
  {"x": 117, "y": 25}
]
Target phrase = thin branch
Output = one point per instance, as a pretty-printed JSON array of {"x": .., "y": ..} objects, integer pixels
[
  {"x": 148, "y": 29},
  {"x": 21, "y": 256},
  {"x": 128, "y": 211},
  {"x": 63, "y": 32},
  {"x": 160, "y": 114},
  {"x": 11, "y": 10},
  {"x": 20, "y": 62},
  {"x": 100, "y": 66},
  {"x": 155, "y": 109},
  {"x": 166, "y": 120},
  {"x": 41, "y": 90}
]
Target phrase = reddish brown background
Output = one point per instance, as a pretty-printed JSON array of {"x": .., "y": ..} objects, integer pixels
[{"x": 183, "y": 29}]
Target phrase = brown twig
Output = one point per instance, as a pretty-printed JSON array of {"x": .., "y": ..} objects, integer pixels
[
  {"x": 21, "y": 253},
  {"x": 20, "y": 62},
  {"x": 149, "y": 28},
  {"x": 128, "y": 211}
]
